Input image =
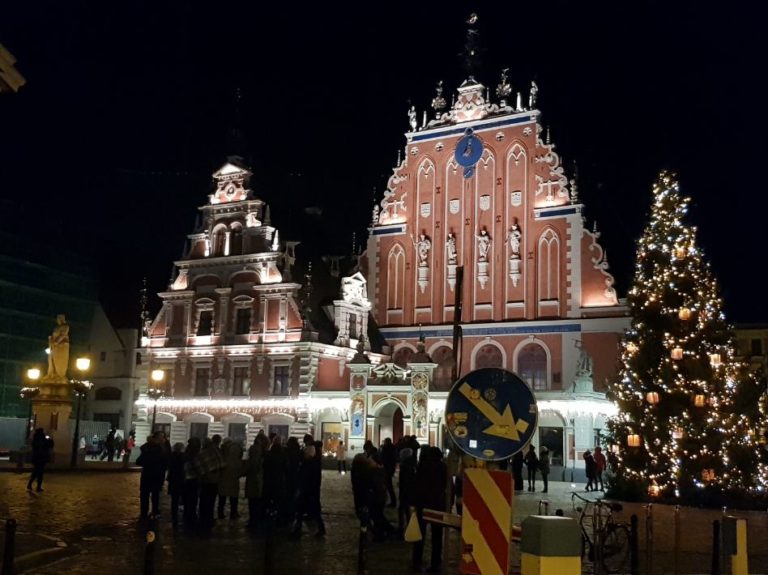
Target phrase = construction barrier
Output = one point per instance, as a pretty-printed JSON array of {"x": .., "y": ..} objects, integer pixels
[
  {"x": 735, "y": 544},
  {"x": 550, "y": 545},
  {"x": 486, "y": 526}
]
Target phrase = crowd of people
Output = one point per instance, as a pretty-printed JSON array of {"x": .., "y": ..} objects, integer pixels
[
  {"x": 282, "y": 481},
  {"x": 109, "y": 448}
]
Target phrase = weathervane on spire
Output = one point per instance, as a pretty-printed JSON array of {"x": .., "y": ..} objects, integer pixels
[{"x": 471, "y": 52}]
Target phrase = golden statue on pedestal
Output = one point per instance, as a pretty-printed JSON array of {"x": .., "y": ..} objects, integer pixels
[{"x": 58, "y": 357}]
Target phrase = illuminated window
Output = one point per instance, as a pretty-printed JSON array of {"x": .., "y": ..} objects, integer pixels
[
  {"x": 201, "y": 381},
  {"x": 532, "y": 366},
  {"x": 240, "y": 383},
  {"x": 282, "y": 384},
  {"x": 489, "y": 356}
]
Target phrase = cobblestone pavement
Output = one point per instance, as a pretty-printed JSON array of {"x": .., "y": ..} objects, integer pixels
[{"x": 95, "y": 514}]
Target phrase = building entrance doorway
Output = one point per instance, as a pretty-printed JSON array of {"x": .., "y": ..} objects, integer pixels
[{"x": 389, "y": 423}]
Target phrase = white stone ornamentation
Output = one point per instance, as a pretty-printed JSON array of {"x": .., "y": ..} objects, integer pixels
[
  {"x": 454, "y": 206},
  {"x": 514, "y": 236},
  {"x": 516, "y": 198},
  {"x": 485, "y": 202}
]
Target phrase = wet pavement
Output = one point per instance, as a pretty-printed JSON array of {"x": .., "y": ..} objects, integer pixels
[{"x": 94, "y": 516}]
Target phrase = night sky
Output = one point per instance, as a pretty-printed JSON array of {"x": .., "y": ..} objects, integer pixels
[{"x": 130, "y": 107}]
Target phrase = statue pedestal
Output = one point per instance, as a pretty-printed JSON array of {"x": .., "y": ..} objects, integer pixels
[
  {"x": 583, "y": 384},
  {"x": 51, "y": 410}
]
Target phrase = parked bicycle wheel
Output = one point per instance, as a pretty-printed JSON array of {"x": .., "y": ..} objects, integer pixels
[{"x": 616, "y": 548}]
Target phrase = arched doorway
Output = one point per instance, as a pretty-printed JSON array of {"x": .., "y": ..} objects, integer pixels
[{"x": 389, "y": 423}]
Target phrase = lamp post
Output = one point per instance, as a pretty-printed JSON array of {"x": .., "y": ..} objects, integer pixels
[
  {"x": 156, "y": 392},
  {"x": 573, "y": 429},
  {"x": 80, "y": 387},
  {"x": 29, "y": 393}
]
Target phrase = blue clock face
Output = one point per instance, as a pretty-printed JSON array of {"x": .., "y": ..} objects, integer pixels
[{"x": 469, "y": 149}]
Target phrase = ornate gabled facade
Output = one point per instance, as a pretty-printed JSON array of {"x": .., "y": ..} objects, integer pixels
[
  {"x": 479, "y": 187},
  {"x": 239, "y": 352}
]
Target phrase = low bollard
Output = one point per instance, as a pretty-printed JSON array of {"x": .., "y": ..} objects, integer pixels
[
  {"x": 649, "y": 538},
  {"x": 362, "y": 545},
  {"x": 10, "y": 547},
  {"x": 545, "y": 504},
  {"x": 677, "y": 541},
  {"x": 634, "y": 547},
  {"x": 149, "y": 552},
  {"x": 549, "y": 546},
  {"x": 735, "y": 546},
  {"x": 716, "y": 547}
]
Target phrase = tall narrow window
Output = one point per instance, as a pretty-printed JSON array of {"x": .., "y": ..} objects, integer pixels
[
  {"x": 549, "y": 266},
  {"x": 532, "y": 366},
  {"x": 282, "y": 385},
  {"x": 243, "y": 321},
  {"x": 395, "y": 277},
  {"x": 353, "y": 326},
  {"x": 240, "y": 383},
  {"x": 205, "y": 326},
  {"x": 201, "y": 381}
]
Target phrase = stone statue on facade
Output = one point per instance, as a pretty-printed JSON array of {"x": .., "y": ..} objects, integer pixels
[
  {"x": 483, "y": 245},
  {"x": 412, "y": 121},
  {"x": 514, "y": 240},
  {"x": 58, "y": 346},
  {"x": 422, "y": 248},
  {"x": 450, "y": 248},
  {"x": 584, "y": 367}
]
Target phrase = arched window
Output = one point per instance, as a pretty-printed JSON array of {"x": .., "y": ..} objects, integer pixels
[
  {"x": 236, "y": 240},
  {"x": 549, "y": 265},
  {"x": 443, "y": 357},
  {"x": 489, "y": 356},
  {"x": 108, "y": 394},
  {"x": 395, "y": 277},
  {"x": 402, "y": 357},
  {"x": 532, "y": 366}
]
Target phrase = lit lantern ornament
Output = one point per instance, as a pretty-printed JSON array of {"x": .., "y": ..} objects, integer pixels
[
  {"x": 677, "y": 353},
  {"x": 652, "y": 397},
  {"x": 715, "y": 360},
  {"x": 708, "y": 474},
  {"x": 684, "y": 314},
  {"x": 654, "y": 490},
  {"x": 677, "y": 433},
  {"x": 680, "y": 253},
  {"x": 633, "y": 440},
  {"x": 699, "y": 400},
  {"x": 631, "y": 347}
]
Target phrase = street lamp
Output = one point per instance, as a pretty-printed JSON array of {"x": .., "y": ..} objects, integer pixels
[
  {"x": 29, "y": 393},
  {"x": 156, "y": 391},
  {"x": 80, "y": 387}
]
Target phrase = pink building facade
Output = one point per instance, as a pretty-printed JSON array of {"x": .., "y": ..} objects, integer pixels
[{"x": 478, "y": 188}]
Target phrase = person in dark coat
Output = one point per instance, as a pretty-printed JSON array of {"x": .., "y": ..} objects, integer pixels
[
  {"x": 274, "y": 477},
  {"x": 191, "y": 486},
  {"x": 389, "y": 460},
  {"x": 591, "y": 468},
  {"x": 406, "y": 488},
  {"x": 41, "y": 455},
  {"x": 308, "y": 502},
  {"x": 532, "y": 463},
  {"x": 517, "y": 469},
  {"x": 153, "y": 462},
  {"x": 292, "y": 466},
  {"x": 544, "y": 467},
  {"x": 109, "y": 446},
  {"x": 176, "y": 480},
  {"x": 431, "y": 481}
]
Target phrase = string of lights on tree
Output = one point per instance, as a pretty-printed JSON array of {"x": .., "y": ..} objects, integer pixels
[{"x": 689, "y": 416}]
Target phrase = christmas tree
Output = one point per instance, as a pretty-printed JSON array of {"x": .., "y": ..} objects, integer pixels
[{"x": 688, "y": 413}]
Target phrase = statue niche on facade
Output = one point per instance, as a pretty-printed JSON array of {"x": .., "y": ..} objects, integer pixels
[{"x": 58, "y": 347}]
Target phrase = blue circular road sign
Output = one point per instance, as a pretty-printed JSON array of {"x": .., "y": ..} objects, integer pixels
[{"x": 491, "y": 413}]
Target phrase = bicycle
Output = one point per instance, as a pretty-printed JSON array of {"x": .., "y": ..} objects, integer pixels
[{"x": 613, "y": 537}]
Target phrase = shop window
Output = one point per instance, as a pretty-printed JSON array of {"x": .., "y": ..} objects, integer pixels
[
  {"x": 281, "y": 431},
  {"x": 199, "y": 430},
  {"x": 332, "y": 433}
]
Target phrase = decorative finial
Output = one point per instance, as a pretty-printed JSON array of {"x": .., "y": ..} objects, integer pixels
[
  {"x": 412, "y": 118},
  {"x": 547, "y": 139},
  {"x": 144, "y": 312},
  {"x": 354, "y": 243},
  {"x": 267, "y": 216},
  {"x": 533, "y": 95},
  {"x": 399, "y": 157},
  {"x": 472, "y": 48},
  {"x": 424, "y": 120},
  {"x": 519, "y": 106},
  {"x": 276, "y": 242},
  {"x": 504, "y": 89},
  {"x": 574, "y": 184},
  {"x": 438, "y": 102}
]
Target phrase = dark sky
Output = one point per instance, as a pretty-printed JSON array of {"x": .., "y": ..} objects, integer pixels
[{"x": 129, "y": 107}]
